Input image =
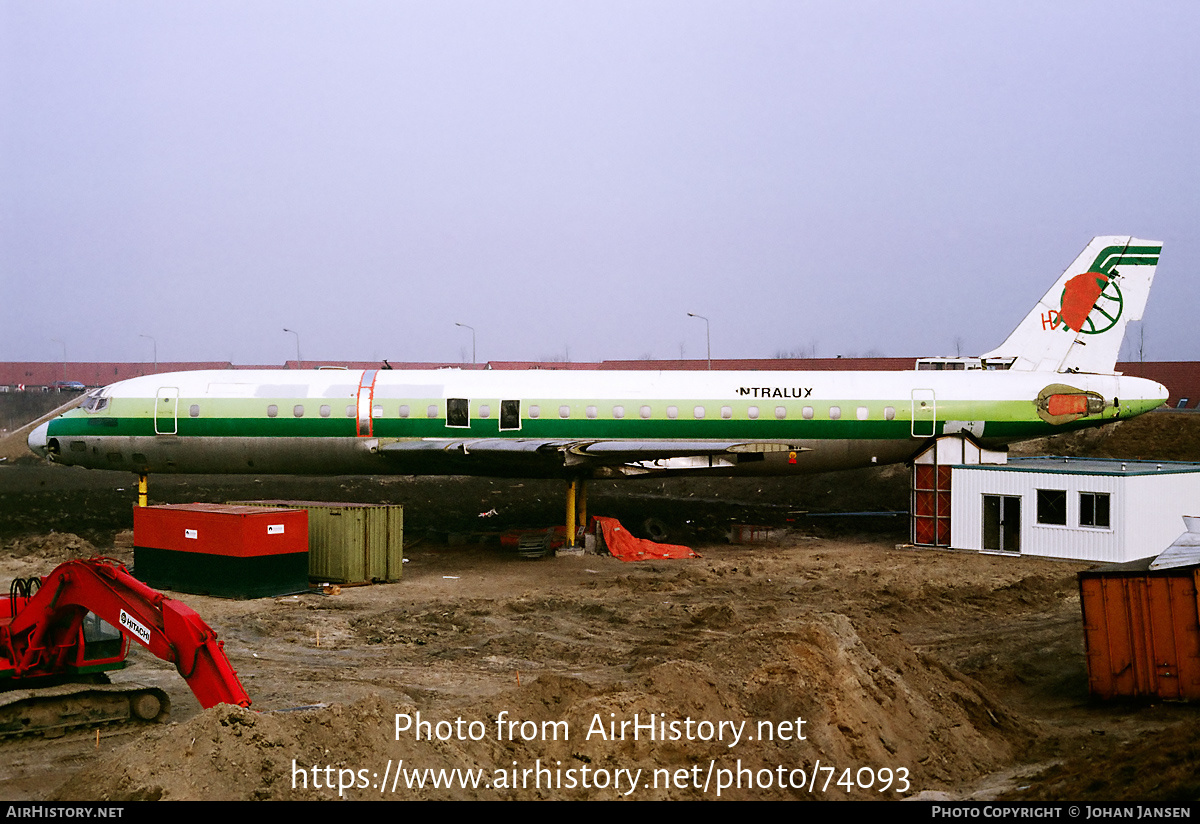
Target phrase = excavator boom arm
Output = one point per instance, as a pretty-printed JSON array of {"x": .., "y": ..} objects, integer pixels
[{"x": 169, "y": 629}]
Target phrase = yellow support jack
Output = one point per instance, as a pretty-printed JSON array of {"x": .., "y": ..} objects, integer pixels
[
  {"x": 571, "y": 512},
  {"x": 576, "y": 509},
  {"x": 142, "y": 489}
]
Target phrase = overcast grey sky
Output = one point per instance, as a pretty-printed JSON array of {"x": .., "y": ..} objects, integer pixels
[{"x": 574, "y": 177}]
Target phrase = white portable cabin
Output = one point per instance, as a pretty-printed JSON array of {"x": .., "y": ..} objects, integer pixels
[{"x": 1080, "y": 508}]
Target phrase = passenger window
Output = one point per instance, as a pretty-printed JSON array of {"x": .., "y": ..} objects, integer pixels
[
  {"x": 590, "y": 411},
  {"x": 862, "y": 413},
  {"x": 672, "y": 412},
  {"x": 485, "y": 410},
  {"x": 431, "y": 411},
  {"x": 564, "y": 411},
  {"x": 298, "y": 410},
  {"x": 807, "y": 413},
  {"x": 752, "y": 413},
  {"x": 698, "y": 412},
  {"x": 325, "y": 410},
  {"x": 618, "y": 411},
  {"x": 194, "y": 410},
  {"x": 889, "y": 413},
  {"x": 349, "y": 411},
  {"x": 535, "y": 411},
  {"x": 404, "y": 410},
  {"x": 781, "y": 412},
  {"x": 376, "y": 411},
  {"x": 272, "y": 411},
  {"x": 835, "y": 412},
  {"x": 645, "y": 412},
  {"x": 726, "y": 412}
]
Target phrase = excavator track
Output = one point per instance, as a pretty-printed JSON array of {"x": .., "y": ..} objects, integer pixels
[{"x": 55, "y": 711}]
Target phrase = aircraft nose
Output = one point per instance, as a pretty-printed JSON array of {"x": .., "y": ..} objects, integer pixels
[{"x": 39, "y": 439}]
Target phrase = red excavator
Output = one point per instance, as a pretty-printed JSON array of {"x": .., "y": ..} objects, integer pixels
[{"x": 60, "y": 634}]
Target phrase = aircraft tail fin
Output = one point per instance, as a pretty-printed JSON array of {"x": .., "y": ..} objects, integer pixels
[{"x": 1079, "y": 324}]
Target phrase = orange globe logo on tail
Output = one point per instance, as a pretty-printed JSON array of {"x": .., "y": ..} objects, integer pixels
[{"x": 1091, "y": 303}]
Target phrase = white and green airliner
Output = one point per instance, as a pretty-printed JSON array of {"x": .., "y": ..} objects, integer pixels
[{"x": 1053, "y": 374}]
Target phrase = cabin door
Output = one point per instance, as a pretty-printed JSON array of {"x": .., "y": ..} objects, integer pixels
[
  {"x": 924, "y": 413},
  {"x": 166, "y": 411},
  {"x": 1002, "y": 523},
  {"x": 366, "y": 400}
]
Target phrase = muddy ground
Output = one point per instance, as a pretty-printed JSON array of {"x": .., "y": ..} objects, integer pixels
[{"x": 950, "y": 675}]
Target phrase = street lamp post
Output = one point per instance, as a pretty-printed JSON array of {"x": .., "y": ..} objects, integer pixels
[
  {"x": 707, "y": 338},
  {"x": 64, "y": 346},
  {"x": 153, "y": 341},
  {"x": 472, "y": 328},
  {"x": 299, "y": 360}
]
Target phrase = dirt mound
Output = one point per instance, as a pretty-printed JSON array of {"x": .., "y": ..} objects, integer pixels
[
  {"x": 1160, "y": 767},
  {"x": 877, "y": 703},
  {"x": 57, "y": 547},
  {"x": 1161, "y": 436}
]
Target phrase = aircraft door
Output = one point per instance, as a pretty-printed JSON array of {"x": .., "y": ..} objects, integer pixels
[
  {"x": 366, "y": 396},
  {"x": 924, "y": 413},
  {"x": 166, "y": 411}
]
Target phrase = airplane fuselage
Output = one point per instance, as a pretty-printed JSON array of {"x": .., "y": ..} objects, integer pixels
[{"x": 566, "y": 423}]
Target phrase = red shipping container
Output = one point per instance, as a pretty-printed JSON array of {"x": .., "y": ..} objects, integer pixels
[{"x": 218, "y": 549}]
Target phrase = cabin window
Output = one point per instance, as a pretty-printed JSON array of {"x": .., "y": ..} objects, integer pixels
[
  {"x": 781, "y": 412},
  {"x": 726, "y": 412},
  {"x": 535, "y": 411},
  {"x": 456, "y": 412},
  {"x": 590, "y": 411},
  {"x": 78, "y": 446},
  {"x": 618, "y": 411},
  {"x": 564, "y": 411},
  {"x": 376, "y": 411},
  {"x": 298, "y": 410},
  {"x": 349, "y": 411},
  {"x": 325, "y": 411},
  {"x": 835, "y": 412},
  {"x": 645, "y": 412},
  {"x": 862, "y": 413},
  {"x": 752, "y": 413},
  {"x": 194, "y": 410},
  {"x": 807, "y": 413},
  {"x": 272, "y": 411},
  {"x": 431, "y": 411},
  {"x": 889, "y": 413},
  {"x": 404, "y": 410},
  {"x": 1052, "y": 506},
  {"x": 698, "y": 412},
  {"x": 485, "y": 410},
  {"x": 510, "y": 415},
  {"x": 1093, "y": 510},
  {"x": 672, "y": 412}
]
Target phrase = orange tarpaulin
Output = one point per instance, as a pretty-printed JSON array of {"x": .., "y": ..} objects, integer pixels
[{"x": 621, "y": 544}]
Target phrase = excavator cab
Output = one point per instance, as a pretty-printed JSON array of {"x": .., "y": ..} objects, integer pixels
[{"x": 104, "y": 646}]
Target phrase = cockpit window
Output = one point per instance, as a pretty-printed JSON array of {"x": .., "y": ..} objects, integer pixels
[{"x": 94, "y": 402}]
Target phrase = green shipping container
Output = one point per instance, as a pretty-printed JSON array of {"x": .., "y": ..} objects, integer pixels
[{"x": 350, "y": 543}]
